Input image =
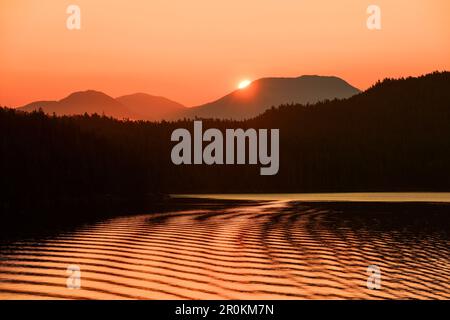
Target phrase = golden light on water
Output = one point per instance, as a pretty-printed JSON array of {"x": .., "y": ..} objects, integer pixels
[{"x": 266, "y": 250}]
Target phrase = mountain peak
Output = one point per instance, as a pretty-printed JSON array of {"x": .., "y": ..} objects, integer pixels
[
  {"x": 267, "y": 92},
  {"x": 150, "y": 107},
  {"x": 87, "y": 94},
  {"x": 140, "y": 95},
  {"x": 138, "y": 106}
]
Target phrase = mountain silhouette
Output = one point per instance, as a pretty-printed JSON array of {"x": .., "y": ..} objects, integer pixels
[
  {"x": 240, "y": 104},
  {"x": 264, "y": 93},
  {"x": 139, "y": 106},
  {"x": 148, "y": 107},
  {"x": 81, "y": 102}
]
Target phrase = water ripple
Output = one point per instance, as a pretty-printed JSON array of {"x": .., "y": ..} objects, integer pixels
[{"x": 275, "y": 250}]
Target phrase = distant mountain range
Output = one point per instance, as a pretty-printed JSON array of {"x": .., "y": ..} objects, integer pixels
[
  {"x": 139, "y": 106},
  {"x": 264, "y": 93},
  {"x": 240, "y": 104}
]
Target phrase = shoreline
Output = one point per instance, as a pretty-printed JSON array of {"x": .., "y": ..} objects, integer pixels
[{"x": 381, "y": 197}]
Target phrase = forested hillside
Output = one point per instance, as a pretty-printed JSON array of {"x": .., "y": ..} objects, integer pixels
[{"x": 393, "y": 137}]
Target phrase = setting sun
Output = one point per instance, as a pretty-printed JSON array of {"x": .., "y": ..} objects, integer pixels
[{"x": 244, "y": 84}]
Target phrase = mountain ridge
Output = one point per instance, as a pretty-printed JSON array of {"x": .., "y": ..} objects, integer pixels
[
  {"x": 249, "y": 102},
  {"x": 132, "y": 106},
  {"x": 264, "y": 93}
]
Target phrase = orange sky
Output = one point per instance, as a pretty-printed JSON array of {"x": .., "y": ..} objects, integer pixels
[{"x": 194, "y": 51}]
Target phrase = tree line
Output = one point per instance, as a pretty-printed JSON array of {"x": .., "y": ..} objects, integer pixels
[{"x": 395, "y": 136}]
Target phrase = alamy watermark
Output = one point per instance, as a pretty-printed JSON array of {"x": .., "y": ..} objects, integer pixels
[
  {"x": 374, "y": 277},
  {"x": 74, "y": 277},
  {"x": 237, "y": 147},
  {"x": 374, "y": 20},
  {"x": 73, "y": 21}
]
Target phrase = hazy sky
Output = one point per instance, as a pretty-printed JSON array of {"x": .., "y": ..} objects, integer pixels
[{"x": 194, "y": 51}]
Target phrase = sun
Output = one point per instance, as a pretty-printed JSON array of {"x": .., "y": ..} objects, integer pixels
[{"x": 244, "y": 84}]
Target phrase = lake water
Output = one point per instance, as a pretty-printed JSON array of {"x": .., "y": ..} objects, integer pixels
[{"x": 285, "y": 248}]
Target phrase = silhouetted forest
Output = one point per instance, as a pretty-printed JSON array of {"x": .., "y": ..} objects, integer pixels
[{"x": 393, "y": 137}]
